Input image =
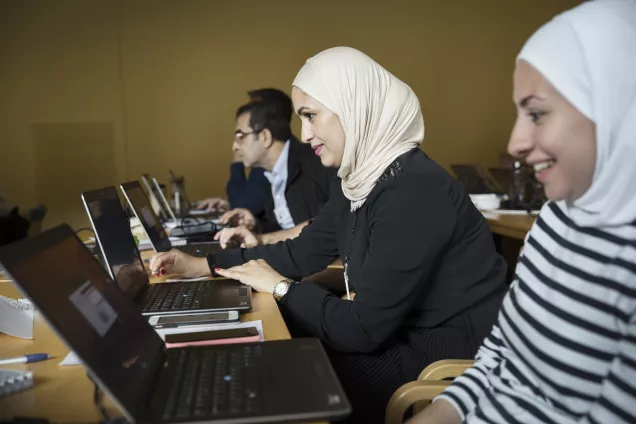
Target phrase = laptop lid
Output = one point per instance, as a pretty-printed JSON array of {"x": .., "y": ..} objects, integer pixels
[
  {"x": 120, "y": 350},
  {"x": 162, "y": 197},
  {"x": 115, "y": 240},
  {"x": 138, "y": 202},
  {"x": 178, "y": 185},
  {"x": 153, "y": 199}
]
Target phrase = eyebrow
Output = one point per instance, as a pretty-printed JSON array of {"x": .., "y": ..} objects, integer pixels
[
  {"x": 524, "y": 102},
  {"x": 301, "y": 110}
]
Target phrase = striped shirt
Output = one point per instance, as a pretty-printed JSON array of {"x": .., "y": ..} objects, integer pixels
[{"x": 564, "y": 346}]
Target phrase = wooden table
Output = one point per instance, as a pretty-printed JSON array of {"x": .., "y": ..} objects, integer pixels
[
  {"x": 63, "y": 394},
  {"x": 515, "y": 226}
]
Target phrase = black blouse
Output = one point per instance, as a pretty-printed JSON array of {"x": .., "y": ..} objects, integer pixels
[{"x": 419, "y": 254}]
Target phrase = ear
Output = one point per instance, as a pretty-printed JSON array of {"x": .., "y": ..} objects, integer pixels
[{"x": 266, "y": 138}]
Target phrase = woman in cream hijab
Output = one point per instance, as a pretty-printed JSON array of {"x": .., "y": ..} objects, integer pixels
[
  {"x": 564, "y": 347},
  {"x": 417, "y": 253}
]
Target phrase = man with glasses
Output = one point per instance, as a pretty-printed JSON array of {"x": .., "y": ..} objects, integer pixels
[
  {"x": 299, "y": 184},
  {"x": 243, "y": 191}
]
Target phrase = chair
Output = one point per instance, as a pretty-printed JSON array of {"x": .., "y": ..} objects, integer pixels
[{"x": 419, "y": 393}]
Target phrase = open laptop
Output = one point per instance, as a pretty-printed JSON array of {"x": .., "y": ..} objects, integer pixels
[
  {"x": 155, "y": 201},
  {"x": 287, "y": 380},
  {"x": 124, "y": 264},
  {"x": 154, "y": 190},
  {"x": 184, "y": 202},
  {"x": 159, "y": 240},
  {"x": 473, "y": 178}
]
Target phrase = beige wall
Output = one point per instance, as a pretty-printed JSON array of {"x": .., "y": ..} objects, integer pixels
[{"x": 97, "y": 92}]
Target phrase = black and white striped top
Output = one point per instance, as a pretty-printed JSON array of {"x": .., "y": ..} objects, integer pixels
[{"x": 564, "y": 346}]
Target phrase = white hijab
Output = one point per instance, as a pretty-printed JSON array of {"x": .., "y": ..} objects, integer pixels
[
  {"x": 380, "y": 115},
  {"x": 589, "y": 55}
]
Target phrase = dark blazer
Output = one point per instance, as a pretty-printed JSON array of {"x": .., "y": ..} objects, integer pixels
[
  {"x": 307, "y": 188},
  {"x": 247, "y": 192}
]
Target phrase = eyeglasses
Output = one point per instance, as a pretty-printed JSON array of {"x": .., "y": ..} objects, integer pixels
[{"x": 239, "y": 136}]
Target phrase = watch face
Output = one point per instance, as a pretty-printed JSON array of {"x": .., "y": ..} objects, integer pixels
[{"x": 280, "y": 289}]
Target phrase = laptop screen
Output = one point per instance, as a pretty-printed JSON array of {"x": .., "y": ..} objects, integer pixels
[
  {"x": 156, "y": 188},
  {"x": 153, "y": 198},
  {"x": 112, "y": 230},
  {"x": 72, "y": 291},
  {"x": 140, "y": 205},
  {"x": 177, "y": 185}
]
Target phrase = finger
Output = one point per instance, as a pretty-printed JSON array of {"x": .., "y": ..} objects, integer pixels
[
  {"x": 226, "y": 237},
  {"x": 159, "y": 261},
  {"x": 225, "y": 218},
  {"x": 228, "y": 273}
]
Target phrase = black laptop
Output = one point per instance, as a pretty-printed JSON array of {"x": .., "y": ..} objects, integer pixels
[
  {"x": 123, "y": 262},
  {"x": 159, "y": 240},
  {"x": 287, "y": 380}
]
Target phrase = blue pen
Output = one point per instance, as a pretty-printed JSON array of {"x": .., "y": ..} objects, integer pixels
[{"x": 34, "y": 357}]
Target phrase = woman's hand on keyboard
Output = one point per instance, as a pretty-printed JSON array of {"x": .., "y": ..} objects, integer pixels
[
  {"x": 256, "y": 274},
  {"x": 177, "y": 263}
]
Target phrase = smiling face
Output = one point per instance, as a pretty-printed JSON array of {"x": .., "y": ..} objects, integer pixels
[
  {"x": 320, "y": 127},
  {"x": 552, "y": 136}
]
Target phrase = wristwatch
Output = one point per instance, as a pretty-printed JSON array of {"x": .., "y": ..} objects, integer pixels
[{"x": 282, "y": 288}]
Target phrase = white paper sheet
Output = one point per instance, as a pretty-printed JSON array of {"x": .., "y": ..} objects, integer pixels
[
  {"x": 70, "y": 359},
  {"x": 16, "y": 317}
]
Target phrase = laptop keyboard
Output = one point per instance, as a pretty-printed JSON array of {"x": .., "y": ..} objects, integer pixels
[
  {"x": 200, "y": 250},
  {"x": 176, "y": 296},
  {"x": 215, "y": 382}
]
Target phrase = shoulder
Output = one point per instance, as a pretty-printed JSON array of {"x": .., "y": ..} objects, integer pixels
[{"x": 416, "y": 178}]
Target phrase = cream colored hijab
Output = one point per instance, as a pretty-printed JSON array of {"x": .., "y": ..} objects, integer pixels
[{"x": 380, "y": 115}]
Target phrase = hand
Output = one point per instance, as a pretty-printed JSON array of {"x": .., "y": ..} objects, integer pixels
[
  {"x": 256, "y": 274},
  {"x": 241, "y": 216},
  {"x": 180, "y": 264},
  {"x": 244, "y": 237},
  {"x": 438, "y": 412},
  {"x": 214, "y": 204}
]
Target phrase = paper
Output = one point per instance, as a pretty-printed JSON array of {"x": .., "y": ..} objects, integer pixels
[
  {"x": 16, "y": 317},
  {"x": 197, "y": 328},
  {"x": 70, "y": 359}
]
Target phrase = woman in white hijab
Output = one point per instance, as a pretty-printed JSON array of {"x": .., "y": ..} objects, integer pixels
[
  {"x": 417, "y": 253},
  {"x": 564, "y": 348}
]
